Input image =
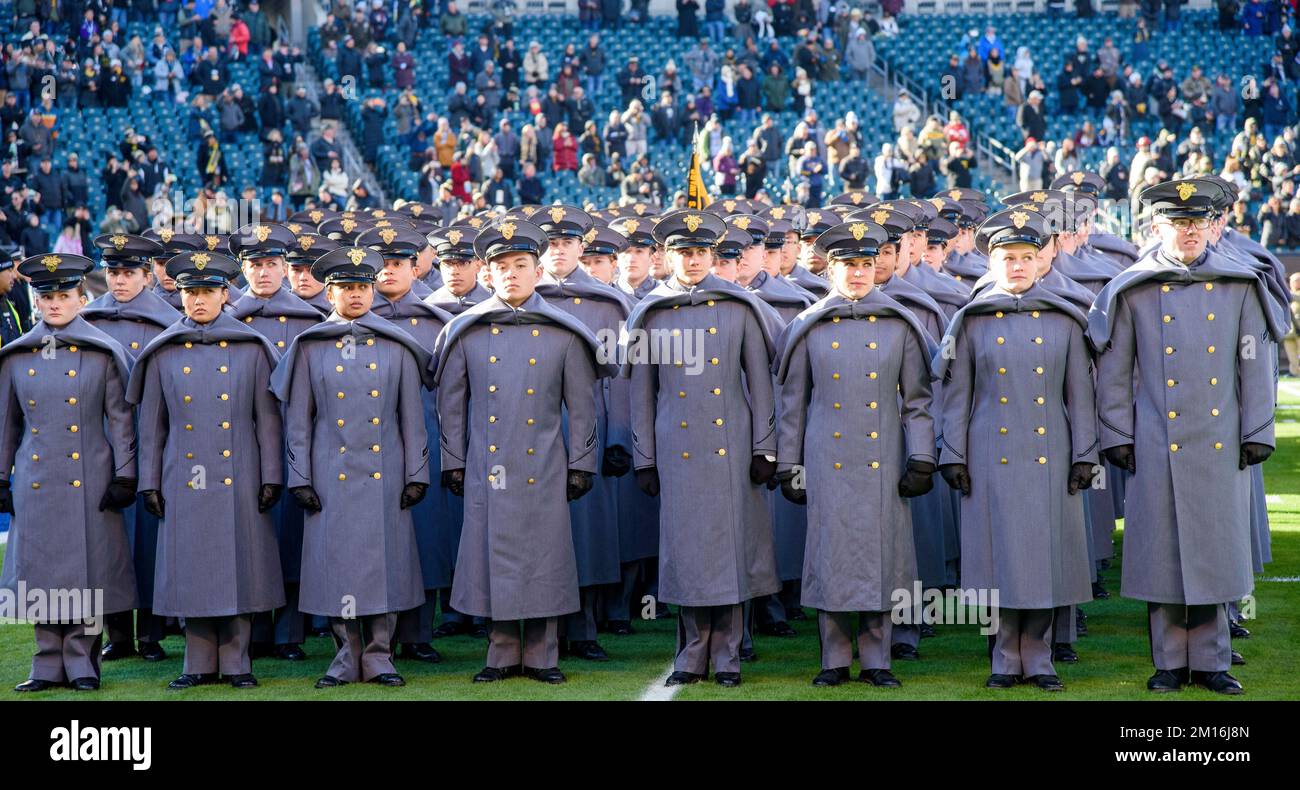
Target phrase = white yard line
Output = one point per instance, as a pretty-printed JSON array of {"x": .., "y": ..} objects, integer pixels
[{"x": 657, "y": 691}]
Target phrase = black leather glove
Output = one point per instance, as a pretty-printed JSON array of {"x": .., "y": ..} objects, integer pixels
[
  {"x": 761, "y": 470},
  {"x": 917, "y": 480},
  {"x": 119, "y": 495},
  {"x": 154, "y": 502},
  {"x": 6, "y": 498},
  {"x": 798, "y": 495},
  {"x": 1253, "y": 453},
  {"x": 454, "y": 481},
  {"x": 579, "y": 484},
  {"x": 957, "y": 476},
  {"x": 648, "y": 481},
  {"x": 413, "y": 494},
  {"x": 617, "y": 462},
  {"x": 1122, "y": 457},
  {"x": 268, "y": 496},
  {"x": 1081, "y": 477},
  {"x": 306, "y": 498}
]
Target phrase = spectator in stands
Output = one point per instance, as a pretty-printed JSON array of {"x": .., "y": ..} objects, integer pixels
[
  {"x": 1023, "y": 69},
  {"x": 959, "y": 165},
  {"x": 33, "y": 239},
  {"x": 631, "y": 80},
  {"x": 922, "y": 175},
  {"x": 591, "y": 174},
  {"x": 860, "y": 55},
  {"x": 670, "y": 81},
  {"x": 1272, "y": 223},
  {"x": 564, "y": 149},
  {"x": 688, "y": 25},
  {"x": 1029, "y": 118},
  {"x": 335, "y": 180},
  {"x": 1069, "y": 87},
  {"x": 372, "y": 127},
  {"x": 453, "y": 23},
  {"x": 890, "y": 172},
  {"x": 1031, "y": 164},
  {"x": 1277, "y": 113},
  {"x": 753, "y": 168},
  {"x": 725, "y": 168},
  {"x": 905, "y": 112},
  {"x": 531, "y": 189},
  {"x": 775, "y": 90},
  {"x": 1195, "y": 85},
  {"x": 702, "y": 64},
  {"x": 459, "y": 66},
  {"x": 589, "y": 142},
  {"x": 995, "y": 72},
  {"x": 536, "y": 66}
]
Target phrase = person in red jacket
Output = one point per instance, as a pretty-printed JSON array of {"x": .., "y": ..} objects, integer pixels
[{"x": 564, "y": 154}]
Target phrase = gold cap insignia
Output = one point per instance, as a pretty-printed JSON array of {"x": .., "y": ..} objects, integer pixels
[
  {"x": 212, "y": 241},
  {"x": 306, "y": 242},
  {"x": 631, "y": 225},
  {"x": 814, "y": 217},
  {"x": 856, "y": 197},
  {"x": 692, "y": 221},
  {"x": 262, "y": 231},
  {"x": 879, "y": 216},
  {"x": 316, "y": 216},
  {"x": 348, "y": 215},
  {"x": 1186, "y": 190},
  {"x": 166, "y": 235},
  {"x": 507, "y": 230},
  {"x": 742, "y": 223},
  {"x": 119, "y": 242},
  {"x": 1019, "y": 218},
  {"x": 639, "y": 208},
  {"x": 379, "y": 214},
  {"x": 454, "y": 236},
  {"x": 557, "y": 214},
  {"x": 1039, "y": 197},
  {"x": 417, "y": 209},
  {"x": 51, "y": 262},
  {"x": 383, "y": 223},
  {"x": 388, "y": 234},
  {"x": 937, "y": 203},
  {"x": 778, "y": 212},
  {"x": 1078, "y": 177},
  {"x": 729, "y": 205},
  {"x": 887, "y": 206},
  {"x": 294, "y": 228},
  {"x": 475, "y": 222},
  {"x": 589, "y": 237},
  {"x": 348, "y": 225},
  {"x": 200, "y": 260},
  {"x": 356, "y": 255},
  {"x": 955, "y": 194},
  {"x": 858, "y": 230}
]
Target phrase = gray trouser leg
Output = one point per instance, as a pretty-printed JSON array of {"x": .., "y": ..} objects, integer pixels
[
  {"x": 233, "y": 634},
  {"x": 505, "y": 648},
  {"x": 65, "y": 652},
  {"x": 1195, "y": 637},
  {"x": 874, "y": 632},
  {"x": 201, "y": 652},
  {"x": 365, "y": 646},
  {"x": 768, "y": 609},
  {"x": 833, "y": 631},
  {"x": 580, "y": 626},
  {"x": 290, "y": 623},
  {"x": 1064, "y": 626},
  {"x": 542, "y": 642},
  {"x": 618, "y": 596},
  {"x": 1023, "y": 643},
  {"x": 906, "y": 634},
  {"x": 747, "y": 628},
  {"x": 693, "y": 624},
  {"x": 725, "y": 636},
  {"x": 415, "y": 626}
]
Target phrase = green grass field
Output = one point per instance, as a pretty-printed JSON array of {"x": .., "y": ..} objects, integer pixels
[{"x": 1114, "y": 659}]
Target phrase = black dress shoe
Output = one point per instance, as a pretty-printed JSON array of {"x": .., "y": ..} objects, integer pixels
[
  {"x": 662, "y": 612},
  {"x": 419, "y": 651},
  {"x": 452, "y": 628},
  {"x": 1080, "y": 622},
  {"x": 478, "y": 631},
  {"x": 1238, "y": 631},
  {"x": 619, "y": 627},
  {"x": 290, "y": 653},
  {"x": 903, "y": 652},
  {"x": 1237, "y": 659},
  {"x": 36, "y": 685},
  {"x": 1061, "y": 651},
  {"x": 727, "y": 679},
  {"x": 1218, "y": 682},
  {"x": 1046, "y": 682},
  {"x": 493, "y": 674},
  {"x": 588, "y": 650},
  {"x": 779, "y": 628},
  {"x": 329, "y": 682},
  {"x": 85, "y": 684},
  {"x": 244, "y": 681},
  {"x": 114, "y": 651},
  {"x": 548, "y": 675},
  {"x": 1099, "y": 592},
  {"x": 388, "y": 679},
  {"x": 926, "y": 630},
  {"x": 683, "y": 679},
  {"x": 831, "y": 677},
  {"x": 796, "y": 614},
  {"x": 881, "y": 678},
  {"x": 152, "y": 651},
  {"x": 261, "y": 650},
  {"x": 1166, "y": 680},
  {"x": 1000, "y": 682},
  {"x": 747, "y": 655},
  {"x": 190, "y": 681}
]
